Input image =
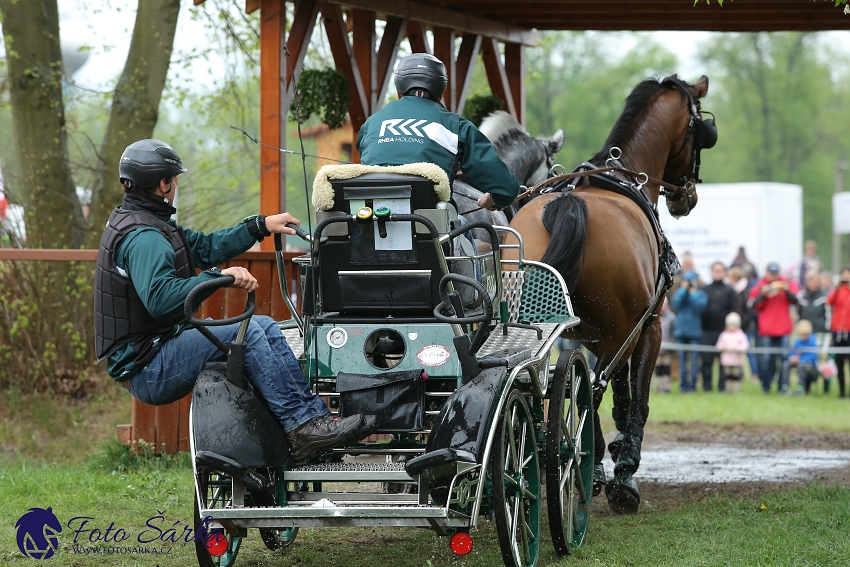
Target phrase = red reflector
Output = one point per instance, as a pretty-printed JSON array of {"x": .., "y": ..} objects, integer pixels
[
  {"x": 461, "y": 543},
  {"x": 217, "y": 544}
]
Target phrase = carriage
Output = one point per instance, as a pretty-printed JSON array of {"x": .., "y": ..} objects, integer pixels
[{"x": 449, "y": 344}]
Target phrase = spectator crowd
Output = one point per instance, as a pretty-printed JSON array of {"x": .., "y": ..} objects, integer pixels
[{"x": 718, "y": 321}]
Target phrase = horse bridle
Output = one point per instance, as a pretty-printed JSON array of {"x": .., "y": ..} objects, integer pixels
[{"x": 705, "y": 137}]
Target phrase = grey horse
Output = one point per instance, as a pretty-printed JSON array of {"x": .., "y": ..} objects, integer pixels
[{"x": 530, "y": 159}]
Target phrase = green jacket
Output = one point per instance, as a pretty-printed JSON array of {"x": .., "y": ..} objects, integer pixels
[
  {"x": 414, "y": 129},
  {"x": 148, "y": 258}
]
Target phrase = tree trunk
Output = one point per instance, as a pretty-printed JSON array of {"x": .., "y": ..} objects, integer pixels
[
  {"x": 135, "y": 105},
  {"x": 31, "y": 33}
]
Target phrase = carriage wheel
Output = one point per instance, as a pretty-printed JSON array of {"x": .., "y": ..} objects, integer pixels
[
  {"x": 275, "y": 538},
  {"x": 569, "y": 452},
  {"x": 516, "y": 484},
  {"x": 216, "y": 548}
]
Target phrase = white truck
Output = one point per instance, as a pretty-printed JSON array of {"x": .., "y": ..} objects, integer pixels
[{"x": 765, "y": 218}]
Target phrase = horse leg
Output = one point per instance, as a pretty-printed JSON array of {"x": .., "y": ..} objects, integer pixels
[
  {"x": 622, "y": 492},
  {"x": 599, "y": 478}
]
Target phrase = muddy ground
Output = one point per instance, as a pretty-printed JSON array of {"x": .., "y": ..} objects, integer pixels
[{"x": 685, "y": 462}]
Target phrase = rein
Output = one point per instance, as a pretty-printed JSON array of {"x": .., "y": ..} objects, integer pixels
[{"x": 642, "y": 179}]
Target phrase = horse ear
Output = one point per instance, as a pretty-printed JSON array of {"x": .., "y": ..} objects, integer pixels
[
  {"x": 701, "y": 87},
  {"x": 556, "y": 142}
]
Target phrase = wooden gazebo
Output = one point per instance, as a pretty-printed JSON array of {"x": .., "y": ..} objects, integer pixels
[{"x": 498, "y": 30}]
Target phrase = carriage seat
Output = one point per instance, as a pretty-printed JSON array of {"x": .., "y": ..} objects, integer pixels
[{"x": 362, "y": 271}]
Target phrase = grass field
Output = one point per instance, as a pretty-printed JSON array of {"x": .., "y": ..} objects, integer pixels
[
  {"x": 51, "y": 455},
  {"x": 805, "y": 526}
]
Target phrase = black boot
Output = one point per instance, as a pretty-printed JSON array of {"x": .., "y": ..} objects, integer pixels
[{"x": 310, "y": 439}]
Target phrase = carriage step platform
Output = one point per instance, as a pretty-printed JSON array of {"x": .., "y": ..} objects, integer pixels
[{"x": 349, "y": 472}]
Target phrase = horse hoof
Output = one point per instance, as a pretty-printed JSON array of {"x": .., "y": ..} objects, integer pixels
[
  {"x": 623, "y": 495},
  {"x": 599, "y": 479}
]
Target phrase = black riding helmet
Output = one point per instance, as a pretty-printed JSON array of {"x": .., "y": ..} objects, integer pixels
[
  {"x": 422, "y": 71},
  {"x": 145, "y": 162}
]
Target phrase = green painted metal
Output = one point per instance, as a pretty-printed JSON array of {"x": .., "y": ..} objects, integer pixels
[
  {"x": 543, "y": 298},
  {"x": 351, "y": 356}
]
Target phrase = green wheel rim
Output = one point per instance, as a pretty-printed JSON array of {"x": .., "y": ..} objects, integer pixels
[
  {"x": 516, "y": 484},
  {"x": 569, "y": 452}
]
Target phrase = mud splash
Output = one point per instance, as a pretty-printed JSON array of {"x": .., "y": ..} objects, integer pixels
[{"x": 709, "y": 463}]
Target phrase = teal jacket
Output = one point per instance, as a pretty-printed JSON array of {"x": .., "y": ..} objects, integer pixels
[
  {"x": 414, "y": 129},
  {"x": 148, "y": 258}
]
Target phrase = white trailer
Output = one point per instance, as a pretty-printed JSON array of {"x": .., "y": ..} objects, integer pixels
[{"x": 765, "y": 218}]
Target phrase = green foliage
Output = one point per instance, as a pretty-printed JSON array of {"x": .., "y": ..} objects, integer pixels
[
  {"x": 46, "y": 327},
  {"x": 112, "y": 456},
  {"x": 782, "y": 103},
  {"x": 576, "y": 82},
  {"x": 323, "y": 93},
  {"x": 479, "y": 106}
]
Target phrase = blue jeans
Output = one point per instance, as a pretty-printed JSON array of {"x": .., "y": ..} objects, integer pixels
[
  {"x": 769, "y": 362},
  {"x": 270, "y": 366},
  {"x": 752, "y": 357},
  {"x": 688, "y": 377}
]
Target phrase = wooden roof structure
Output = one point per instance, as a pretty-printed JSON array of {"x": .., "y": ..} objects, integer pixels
[{"x": 460, "y": 31}]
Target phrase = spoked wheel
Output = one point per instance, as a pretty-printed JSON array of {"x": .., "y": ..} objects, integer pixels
[
  {"x": 516, "y": 484},
  {"x": 569, "y": 452},
  {"x": 214, "y": 548}
]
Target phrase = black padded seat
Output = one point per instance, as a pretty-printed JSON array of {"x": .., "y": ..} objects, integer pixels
[{"x": 363, "y": 273}]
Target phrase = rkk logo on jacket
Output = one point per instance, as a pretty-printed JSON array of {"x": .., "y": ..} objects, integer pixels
[{"x": 394, "y": 129}]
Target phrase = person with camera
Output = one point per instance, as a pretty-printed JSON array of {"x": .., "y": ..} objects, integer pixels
[
  {"x": 722, "y": 300},
  {"x": 772, "y": 298},
  {"x": 839, "y": 300},
  {"x": 689, "y": 302}
]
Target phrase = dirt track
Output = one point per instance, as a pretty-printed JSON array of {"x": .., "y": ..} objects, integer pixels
[{"x": 691, "y": 461}]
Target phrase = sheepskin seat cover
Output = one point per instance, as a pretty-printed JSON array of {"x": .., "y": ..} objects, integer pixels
[{"x": 323, "y": 193}]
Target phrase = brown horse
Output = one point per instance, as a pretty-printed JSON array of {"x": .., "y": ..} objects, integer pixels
[{"x": 605, "y": 246}]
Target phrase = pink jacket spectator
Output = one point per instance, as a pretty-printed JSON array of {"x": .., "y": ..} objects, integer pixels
[{"x": 731, "y": 344}]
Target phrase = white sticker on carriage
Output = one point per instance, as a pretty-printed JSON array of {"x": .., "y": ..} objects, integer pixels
[
  {"x": 433, "y": 355},
  {"x": 399, "y": 235}
]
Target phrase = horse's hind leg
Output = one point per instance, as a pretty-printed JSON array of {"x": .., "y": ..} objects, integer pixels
[
  {"x": 620, "y": 376},
  {"x": 622, "y": 491}
]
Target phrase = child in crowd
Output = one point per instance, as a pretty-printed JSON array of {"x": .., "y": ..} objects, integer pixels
[
  {"x": 732, "y": 344},
  {"x": 663, "y": 371},
  {"x": 805, "y": 361}
]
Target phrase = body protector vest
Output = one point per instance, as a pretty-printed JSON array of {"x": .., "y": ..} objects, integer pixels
[{"x": 120, "y": 317}]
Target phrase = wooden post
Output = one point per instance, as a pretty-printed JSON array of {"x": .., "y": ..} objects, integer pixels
[
  {"x": 496, "y": 74},
  {"x": 272, "y": 186},
  {"x": 515, "y": 70},
  {"x": 470, "y": 45},
  {"x": 444, "y": 50}
]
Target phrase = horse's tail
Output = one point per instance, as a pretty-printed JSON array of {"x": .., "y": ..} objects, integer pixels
[{"x": 565, "y": 217}]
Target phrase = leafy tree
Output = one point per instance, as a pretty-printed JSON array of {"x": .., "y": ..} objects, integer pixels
[{"x": 779, "y": 98}]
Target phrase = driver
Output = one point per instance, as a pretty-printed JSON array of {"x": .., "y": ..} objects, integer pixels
[
  {"x": 417, "y": 128},
  {"x": 145, "y": 270}
]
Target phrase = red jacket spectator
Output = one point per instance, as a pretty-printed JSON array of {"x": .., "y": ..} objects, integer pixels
[
  {"x": 839, "y": 299},
  {"x": 772, "y": 299}
]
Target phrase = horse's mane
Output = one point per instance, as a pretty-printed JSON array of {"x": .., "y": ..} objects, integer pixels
[
  {"x": 498, "y": 123},
  {"x": 636, "y": 103}
]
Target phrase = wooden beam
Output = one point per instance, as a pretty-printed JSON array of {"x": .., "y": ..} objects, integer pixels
[
  {"x": 515, "y": 69},
  {"x": 250, "y": 5},
  {"x": 441, "y": 17},
  {"x": 363, "y": 45},
  {"x": 417, "y": 38},
  {"x": 272, "y": 24},
  {"x": 298, "y": 41},
  {"x": 496, "y": 75},
  {"x": 444, "y": 50},
  {"x": 394, "y": 33},
  {"x": 470, "y": 45},
  {"x": 335, "y": 27}
]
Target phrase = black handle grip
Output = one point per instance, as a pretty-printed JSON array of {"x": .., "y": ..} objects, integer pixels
[
  {"x": 299, "y": 232},
  {"x": 278, "y": 242},
  {"x": 494, "y": 237},
  {"x": 203, "y": 287}
]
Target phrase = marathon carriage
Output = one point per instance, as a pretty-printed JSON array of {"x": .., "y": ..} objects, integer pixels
[{"x": 451, "y": 352}]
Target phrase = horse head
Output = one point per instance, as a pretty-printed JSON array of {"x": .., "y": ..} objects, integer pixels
[
  {"x": 529, "y": 159},
  {"x": 697, "y": 134}
]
